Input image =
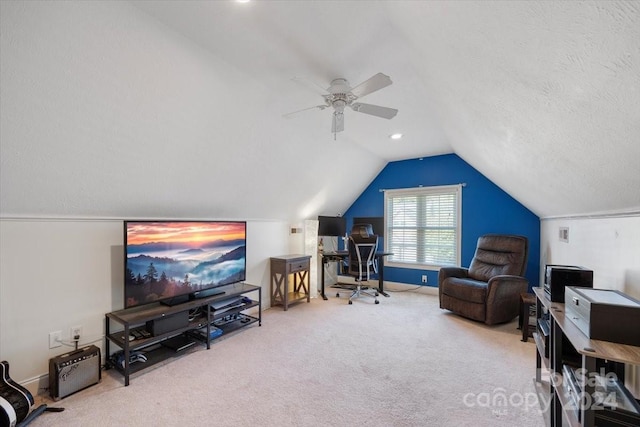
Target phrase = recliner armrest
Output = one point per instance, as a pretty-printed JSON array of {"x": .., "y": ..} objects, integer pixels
[
  {"x": 506, "y": 280},
  {"x": 503, "y": 296},
  {"x": 446, "y": 272}
]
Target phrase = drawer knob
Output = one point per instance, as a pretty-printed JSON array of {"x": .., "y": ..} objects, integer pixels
[{"x": 576, "y": 301}]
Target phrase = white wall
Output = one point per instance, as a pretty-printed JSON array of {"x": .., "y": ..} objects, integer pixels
[
  {"x": 608, "y": 245},
  {"x": 55, "y": 274}
]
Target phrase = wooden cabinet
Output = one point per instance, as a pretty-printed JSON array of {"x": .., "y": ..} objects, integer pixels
[
  {"x": 284, "y": 268},
  {"x": 133, "y": 334},
  {"x": 562, "y": 348}
]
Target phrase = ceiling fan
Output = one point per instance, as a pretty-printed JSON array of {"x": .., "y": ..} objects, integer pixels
[{"x": 340, "y": 95}]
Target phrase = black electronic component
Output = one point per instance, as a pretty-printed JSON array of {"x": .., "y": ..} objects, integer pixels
[{"x": 557, "y": 277}]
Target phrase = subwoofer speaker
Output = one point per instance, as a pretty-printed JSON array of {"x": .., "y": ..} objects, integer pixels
[{"x": 74, "y": 371}]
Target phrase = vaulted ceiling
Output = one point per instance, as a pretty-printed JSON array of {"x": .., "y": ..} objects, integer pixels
[{"x": 175, "y": 109}]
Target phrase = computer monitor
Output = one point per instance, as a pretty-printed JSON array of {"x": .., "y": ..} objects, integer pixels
[
  {"x": 331, "y": 226},
  {"x": 377, "y": 222}
]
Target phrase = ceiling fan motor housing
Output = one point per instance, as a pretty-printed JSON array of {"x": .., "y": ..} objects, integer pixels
[
  {"x": 339, "y": 94},
  {"x": 339, "y": 86}
]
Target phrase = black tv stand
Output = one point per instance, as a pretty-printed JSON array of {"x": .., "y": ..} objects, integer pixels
[{"x": 133, "y": 321}]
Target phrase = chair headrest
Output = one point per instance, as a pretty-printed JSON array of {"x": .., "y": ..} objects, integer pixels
[
  {"x": 362, "y": 230},
  {"x": 358, "y": 239}
]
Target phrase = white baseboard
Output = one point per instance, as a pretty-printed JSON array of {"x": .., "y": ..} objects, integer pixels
[{"x": 37, "y": 386}]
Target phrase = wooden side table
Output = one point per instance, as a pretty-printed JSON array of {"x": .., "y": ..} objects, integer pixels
[
  {"x": 526, "y": 302},
  {"x": 282, "y": 267}
]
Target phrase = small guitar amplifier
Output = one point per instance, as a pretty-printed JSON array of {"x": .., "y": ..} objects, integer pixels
[{"x": 74, "y": 371}]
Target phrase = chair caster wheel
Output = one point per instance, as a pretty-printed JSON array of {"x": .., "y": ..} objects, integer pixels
[
  {"x": 350, "y": 302},
  {"x": 377, "y": 302}
]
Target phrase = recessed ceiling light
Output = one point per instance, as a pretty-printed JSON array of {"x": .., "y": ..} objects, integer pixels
[
  {"x": 396, "y": 136},
  {"x": 243, "y": 1}
]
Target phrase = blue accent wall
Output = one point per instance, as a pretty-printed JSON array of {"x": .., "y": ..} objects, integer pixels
[{"x": 486, "y": 208}]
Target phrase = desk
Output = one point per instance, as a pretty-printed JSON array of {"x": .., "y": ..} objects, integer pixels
[{"x": 328, "y": 257}]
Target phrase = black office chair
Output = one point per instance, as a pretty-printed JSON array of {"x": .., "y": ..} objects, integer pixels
[
  {"x": 365, "y": 230},
  {"x": 362, "y": 262}
]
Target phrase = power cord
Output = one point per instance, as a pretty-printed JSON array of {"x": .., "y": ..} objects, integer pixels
[
  {"x": 194, "y": 313},
  {"x": 404, "y": 290},
  {"x": 76, "y": 341}
]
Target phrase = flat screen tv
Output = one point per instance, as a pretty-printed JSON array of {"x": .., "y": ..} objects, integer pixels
[
  {"x": 174, "y": 261},
  {"x": 332, "y": 226}
]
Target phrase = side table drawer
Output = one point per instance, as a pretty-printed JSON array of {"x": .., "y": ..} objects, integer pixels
[{"x": 293, "y": 266}]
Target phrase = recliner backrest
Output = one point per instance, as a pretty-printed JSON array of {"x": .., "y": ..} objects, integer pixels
[{"x": 498, "y": 254}]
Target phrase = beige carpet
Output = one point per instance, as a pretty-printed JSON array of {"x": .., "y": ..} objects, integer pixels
[{"x": 403, "y": 362}]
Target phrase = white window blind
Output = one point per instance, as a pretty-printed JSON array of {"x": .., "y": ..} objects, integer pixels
[{"x": 423, "y": 225}]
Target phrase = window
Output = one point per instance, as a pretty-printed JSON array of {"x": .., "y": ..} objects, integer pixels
[{"x": 423, "y": 226}]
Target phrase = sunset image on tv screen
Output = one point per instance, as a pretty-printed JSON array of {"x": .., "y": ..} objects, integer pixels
[{"x": 168, "y": 259}]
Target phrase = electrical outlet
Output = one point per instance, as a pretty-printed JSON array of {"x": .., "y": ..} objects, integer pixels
[
  {"x": 55, "y": 339},
  {"x": 424, "y": 278},
  {"x": 76, "y": 331}
]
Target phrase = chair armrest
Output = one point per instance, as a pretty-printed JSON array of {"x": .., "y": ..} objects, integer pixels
[
  {"x": 446, "y": 272},
  {"x": 504, "y": 285},
  {"x": 503, "y": 297}
]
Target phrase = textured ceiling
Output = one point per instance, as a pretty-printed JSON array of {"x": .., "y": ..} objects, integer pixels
[{"x": 174, "y": 109}]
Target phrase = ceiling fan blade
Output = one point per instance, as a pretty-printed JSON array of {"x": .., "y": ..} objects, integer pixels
[
  {"x": 314, "y": 87},
  {"x": 375, "y": 110},
  {"x": 288, "y": 115},
  {"x": 338, "y": 122},
  {"x": 375, "y": 83}
]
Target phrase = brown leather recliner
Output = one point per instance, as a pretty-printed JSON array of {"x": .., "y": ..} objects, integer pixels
[{"x": 489, "y": 290}]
